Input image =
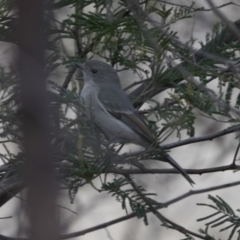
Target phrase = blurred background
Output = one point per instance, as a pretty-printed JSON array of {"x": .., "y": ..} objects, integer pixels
[{"x": 91, "y": 207}]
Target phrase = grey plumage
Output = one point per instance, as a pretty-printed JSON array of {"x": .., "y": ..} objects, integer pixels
[{"x": 112, "y": 110}]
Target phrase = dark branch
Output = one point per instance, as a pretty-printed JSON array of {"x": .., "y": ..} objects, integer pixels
[
  {"x": 209, "y": 137},
  {"x": 198, "y": 56}
]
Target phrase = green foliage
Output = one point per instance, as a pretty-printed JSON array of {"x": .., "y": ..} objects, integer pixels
[
  {"x": 119, "y": 188},
  {"x": 225, "y": 216},
  {"x": 150, "y": 49}
]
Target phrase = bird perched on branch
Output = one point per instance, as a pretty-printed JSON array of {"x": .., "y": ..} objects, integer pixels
[{"x": 113, "y": 111}]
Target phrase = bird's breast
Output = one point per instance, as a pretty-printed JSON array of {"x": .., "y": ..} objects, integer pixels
[{"x": 89, "y": 95}]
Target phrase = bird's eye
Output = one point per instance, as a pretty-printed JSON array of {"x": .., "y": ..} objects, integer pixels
[{"x": 94, "y": 71}]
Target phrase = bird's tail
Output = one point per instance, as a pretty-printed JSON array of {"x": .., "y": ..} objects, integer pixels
[{"x": 178, "y": 167}]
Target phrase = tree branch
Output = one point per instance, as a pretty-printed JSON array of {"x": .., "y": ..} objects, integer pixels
[
  {"x": 198, "y": 56},
  {"x": 209, "y": 137},
  {"x": 174, "y": 171},
  {"x": 132, "y": 215}
]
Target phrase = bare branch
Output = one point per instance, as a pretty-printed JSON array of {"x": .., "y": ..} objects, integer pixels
[
  {"x": 209, "y": 137},
  {"x": 235, "y": 155},
  {"x": 195, "y": 192},
  {"x": 173, "y": 171},
  {"x": 163, "y": 205},
  {"x": 196, "y": 57},
  {"x": 228, "y": 23},
  {"x": 201, "y": 9}
]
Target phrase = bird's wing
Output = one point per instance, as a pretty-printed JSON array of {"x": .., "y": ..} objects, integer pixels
[
  {"x": 118, "y": 105},
  {"x": 121, "y": 108}
]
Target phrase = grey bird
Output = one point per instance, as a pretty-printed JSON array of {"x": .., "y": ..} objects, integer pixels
[{"x": 112, "y": 110}]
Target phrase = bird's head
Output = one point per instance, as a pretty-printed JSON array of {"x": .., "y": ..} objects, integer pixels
[{"x": 99, "y": 73}]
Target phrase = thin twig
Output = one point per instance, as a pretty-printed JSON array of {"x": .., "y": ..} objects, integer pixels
[
  {"x": 197, "y": 57},
  {"x": 69, "y": 77},
  {"x": 201, "y": 9},
  {"x": 195, "y": 192},
  {"x": 235, "y": 155},
  {"x": 145, "y": 199},
  {"x": 132, "y": 215},
  {"x": 209, "y": 137},
  {"x": 172, "y": 170},
  {"x": 228, "y": 23}
]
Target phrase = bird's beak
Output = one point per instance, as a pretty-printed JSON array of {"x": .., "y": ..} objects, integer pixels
[{"x": 80, "y": 65}]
